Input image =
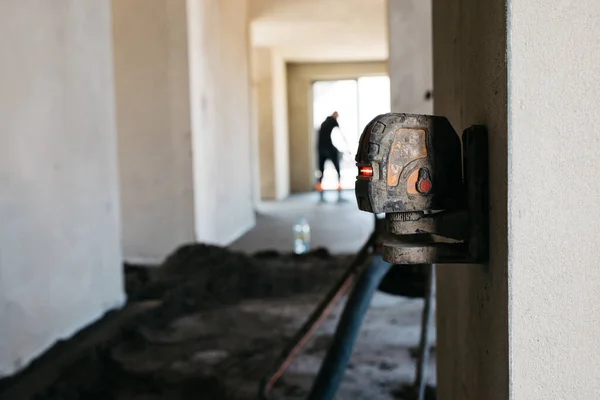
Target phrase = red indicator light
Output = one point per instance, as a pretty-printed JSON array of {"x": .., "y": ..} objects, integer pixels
[{"x": 365, "y": 172}]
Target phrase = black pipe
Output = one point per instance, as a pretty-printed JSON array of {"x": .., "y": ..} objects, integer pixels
[
  {"x": 323, "y": 309},
  {"x": 334, "y": 366}
]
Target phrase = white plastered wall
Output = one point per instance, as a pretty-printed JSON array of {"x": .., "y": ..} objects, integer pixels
[
  {"x": 60, "y": 256},
  {"x": 221, "y": 124},
  {"x": 410, "y": 55},
  {"x": 270, "y": 95},
  {"x": 154, "y": 126},
  {"x": 553, "y": 198},
  {"x": 183, "y": 97},
  {"x": 281, "y": 128}
]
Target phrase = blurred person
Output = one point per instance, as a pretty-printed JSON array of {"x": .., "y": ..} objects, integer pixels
[{"x": 327, "y": 151}]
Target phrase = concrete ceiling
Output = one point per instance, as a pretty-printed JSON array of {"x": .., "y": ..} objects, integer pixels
[{"x": 321, "y": 30}]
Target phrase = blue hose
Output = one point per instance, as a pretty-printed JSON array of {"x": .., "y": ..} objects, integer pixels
[{"x": 334, "y": 366}]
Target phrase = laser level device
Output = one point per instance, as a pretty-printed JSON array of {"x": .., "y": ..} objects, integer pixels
[{"x": 433, "y": 191}]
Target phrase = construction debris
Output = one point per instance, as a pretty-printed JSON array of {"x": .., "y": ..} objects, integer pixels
[{"x": 222, "y": 319}]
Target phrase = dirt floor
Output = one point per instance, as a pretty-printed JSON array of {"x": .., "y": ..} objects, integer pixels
[{"x": 222, "y": 320}]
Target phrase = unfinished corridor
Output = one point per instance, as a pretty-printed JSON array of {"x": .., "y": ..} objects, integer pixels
[{"x": 155, "y": 156}]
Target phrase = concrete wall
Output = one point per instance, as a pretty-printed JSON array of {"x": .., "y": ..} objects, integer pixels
[
  {"x": 281, "y": 128},
  {"x": 60, "y": 257},
  {"x": 470, "y": 81},
  {"x": 270, "y": 94},
  {"x": 183, "y": 95},
  {"x": 221, "y": 124},
  {"x": 300, "y": 78},
  {"x": 554, "y": 218},
  {"x": 154, "y": 125},
  {"x": 410, "y": 55},
  {"x": 262, "y": 86}
]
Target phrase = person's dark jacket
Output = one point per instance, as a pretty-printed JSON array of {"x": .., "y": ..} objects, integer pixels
[{"x": 325, "y": 133}]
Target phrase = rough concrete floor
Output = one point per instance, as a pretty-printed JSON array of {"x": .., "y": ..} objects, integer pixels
[
  {"x": 339, "y": 227},
  {"x": 380, "y": 364}
]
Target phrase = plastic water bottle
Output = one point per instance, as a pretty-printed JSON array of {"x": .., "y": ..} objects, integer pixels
[{"x": 301, "y": 236}]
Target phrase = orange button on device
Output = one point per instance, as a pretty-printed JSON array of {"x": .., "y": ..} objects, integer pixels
[{"x": 425, "y": 186}]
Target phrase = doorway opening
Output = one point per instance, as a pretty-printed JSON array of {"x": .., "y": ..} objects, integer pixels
[{"x": 357, "y": 102}]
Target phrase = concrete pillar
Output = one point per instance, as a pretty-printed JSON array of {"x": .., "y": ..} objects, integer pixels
[
  {"x": 410, "y": 56},
  {"x": 183, "y": 94},
  {"x": 281, "y": 127},
  {"x": 270, "y": 95},
  {"x": 60, "y": 255},
  {"x": 221, "y": 123},
  {"x": 154, "y": 124},
  {"x": 470, "y": 82},
  {"x": 524, "y": 326}
]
